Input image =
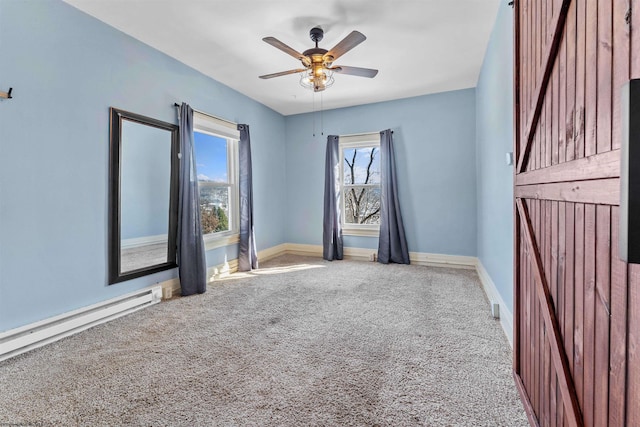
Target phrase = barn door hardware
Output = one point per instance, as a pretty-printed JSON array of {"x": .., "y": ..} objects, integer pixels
[{"x": 630, "y": 174}]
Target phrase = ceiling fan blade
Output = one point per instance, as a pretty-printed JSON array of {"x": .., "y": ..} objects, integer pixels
[
  {"x": 282, "y": 73},
  {"x": 283, "y": 47},
  {"x": 348, "y": 43},
  {"x": 355, "y": 71}
]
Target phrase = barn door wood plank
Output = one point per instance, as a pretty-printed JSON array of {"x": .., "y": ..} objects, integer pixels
[
  {"x": 602, "y": 315},
  {"x": 599, "y": 166},
  {"x": 589, "y": 311},
  {"x": 578, "y": 327},
  {"x": 601, "y": 191},
  {"x": 517, "y": 295},
  {"x": 562, "y": 295},
  {"x": 542, "y": 82},
  {"x": 529, "y": 345},
  {"x": 591, "y": 78},
  {"x": 556, "y": 296},
  {"x": 618, "y": 361},
  {"x": 559, "y": 358},
  {"x": 581, "y": 29},
  {"x": 546, "y": 392},
  {"x": 605, "y": 75},
  {"x": 537, "y": 37},
  {"x": 568, "y": 280},
  {"x": 569, "y": 117},
  {"x": 560, "y": 146},
  {"x": 537, "y": 347}
]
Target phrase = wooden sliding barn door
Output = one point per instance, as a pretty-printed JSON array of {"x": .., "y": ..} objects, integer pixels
[{"x": 577, "y": 306}]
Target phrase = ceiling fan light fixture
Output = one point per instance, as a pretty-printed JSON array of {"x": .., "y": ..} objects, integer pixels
[{"x": 316, "y": 79}]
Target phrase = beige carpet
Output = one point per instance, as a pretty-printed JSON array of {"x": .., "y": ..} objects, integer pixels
[{"x": 303, "y": 342}]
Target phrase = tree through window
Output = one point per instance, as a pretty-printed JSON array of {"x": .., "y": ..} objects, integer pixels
[{"x": 361, "y": 184}]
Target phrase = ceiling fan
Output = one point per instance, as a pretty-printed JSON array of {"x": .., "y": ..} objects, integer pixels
[{"x": 318, "y": 70}]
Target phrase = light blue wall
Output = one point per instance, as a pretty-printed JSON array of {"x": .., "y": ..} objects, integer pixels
[
  {"x": 67, "y": 69},
  {"x": 435, "y": 156},
  {"x": 494, "y": 138}
]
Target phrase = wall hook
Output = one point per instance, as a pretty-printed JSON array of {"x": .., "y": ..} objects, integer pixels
[{"x": 6, "y": 95}]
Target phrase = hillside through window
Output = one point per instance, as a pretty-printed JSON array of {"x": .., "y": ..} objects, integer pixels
[
  {"x": 216, "y": 148},
  {"x": 213, "y": 182}
]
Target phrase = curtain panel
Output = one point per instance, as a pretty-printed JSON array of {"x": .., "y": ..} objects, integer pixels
[
  {"x": 392, "y": 244},
  {"x": 247, "y": 256},
  {"x": 192, "y": 263},
  {"x": 332, "y": 245}
]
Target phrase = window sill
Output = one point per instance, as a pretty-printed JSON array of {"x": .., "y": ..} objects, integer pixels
[
  {"x": 363, "y": 232},
  {"x": 213, "y": 241}
]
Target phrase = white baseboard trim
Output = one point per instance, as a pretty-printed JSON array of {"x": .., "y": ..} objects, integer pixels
[
  {"x": 305, "y": 250},
  {"x": 358, "y": 254},
  {"x": 364, "y": 254},
  {"x": 506, "y": 317},
  {"x": 143, "y": 241},
  {"x": 272, "y": 252},
  {"x": 441, "y": 260}
]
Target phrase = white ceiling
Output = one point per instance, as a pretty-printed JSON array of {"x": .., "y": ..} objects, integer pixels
[{"x": 419, "y": 46}]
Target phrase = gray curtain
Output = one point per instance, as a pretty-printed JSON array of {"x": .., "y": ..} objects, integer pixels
[
  {"x": 392, "y": 244},
  {"x": 331, "y": 226},
  {"x": 247, "y": 256},
  {"x": 192, "y": 263}
]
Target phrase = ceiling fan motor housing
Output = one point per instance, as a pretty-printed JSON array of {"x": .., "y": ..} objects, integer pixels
[{"x": 316, "y": 34}]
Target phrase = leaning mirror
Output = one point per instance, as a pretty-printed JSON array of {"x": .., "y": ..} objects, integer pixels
[{"x": 143, "y": 195}]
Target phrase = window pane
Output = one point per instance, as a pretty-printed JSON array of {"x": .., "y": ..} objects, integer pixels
[
  {"x": 362, "y": 205},
  {"x": 362, "y": 165},
  {"x": 211, "y": 164},
  {"x": 214, "y": 207},
  {"x": 211, "y": 157}
]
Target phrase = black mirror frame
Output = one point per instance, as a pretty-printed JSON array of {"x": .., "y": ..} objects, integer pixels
[{"x": 115, "y": 136}]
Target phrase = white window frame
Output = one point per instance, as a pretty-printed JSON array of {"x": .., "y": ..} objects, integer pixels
[
  {"x": 356, "y": 141},
  {"x": 204, "y": 123}
]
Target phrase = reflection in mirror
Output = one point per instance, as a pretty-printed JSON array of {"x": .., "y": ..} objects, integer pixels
[
  {"x": 143, "y": 193},
  {"x": 145, "y": 178}
]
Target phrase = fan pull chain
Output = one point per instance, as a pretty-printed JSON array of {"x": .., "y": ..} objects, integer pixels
[
  {"x": 322, "y": 113},
  {"x": 313, "y": 111}
]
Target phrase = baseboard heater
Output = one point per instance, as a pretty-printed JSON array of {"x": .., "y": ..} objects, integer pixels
[{"x": 34, "y": 335}]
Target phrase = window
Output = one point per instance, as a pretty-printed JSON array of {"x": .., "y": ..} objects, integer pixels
[
  {"x": 216, "y": 147},
  {"x": 360, "y": 180}
]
